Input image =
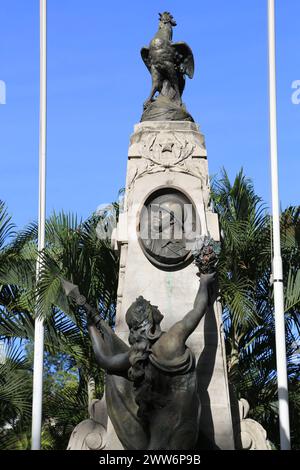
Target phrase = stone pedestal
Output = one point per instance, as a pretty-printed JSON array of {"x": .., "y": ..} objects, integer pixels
[{"x": 171, "y": 156}]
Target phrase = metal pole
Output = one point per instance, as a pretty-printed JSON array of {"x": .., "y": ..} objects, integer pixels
[
  {"x": 284, "y": 423},
  {"x": 39, "y": 326}
]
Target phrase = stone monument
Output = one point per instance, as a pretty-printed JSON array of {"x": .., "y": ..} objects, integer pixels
[
  {"x": 166, "y": 383},
  {"x": 168, "y": 170}
]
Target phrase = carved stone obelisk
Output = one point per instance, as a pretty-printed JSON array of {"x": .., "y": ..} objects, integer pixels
[{"x": 168, "y": 160}]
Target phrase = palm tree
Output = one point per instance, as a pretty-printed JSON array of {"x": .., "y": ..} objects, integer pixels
[
  {"x": 246, "y": 297},
  {"x": 15, "y": 383},
  {"x": 74, "y": 252},
  {"x": 15, "y": 394}
]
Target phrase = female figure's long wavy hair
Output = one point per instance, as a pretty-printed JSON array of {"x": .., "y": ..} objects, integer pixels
[{"x": 143, "y": 320}]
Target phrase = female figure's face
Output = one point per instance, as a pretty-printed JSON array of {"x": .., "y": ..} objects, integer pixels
[{"x": 138, "y": 332}]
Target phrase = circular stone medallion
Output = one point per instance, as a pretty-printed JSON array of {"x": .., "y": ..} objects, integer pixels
[{"x": 167, "y": 222}]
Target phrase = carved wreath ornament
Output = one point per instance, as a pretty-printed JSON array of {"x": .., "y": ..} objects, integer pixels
[{"x": 165, "y": 152}]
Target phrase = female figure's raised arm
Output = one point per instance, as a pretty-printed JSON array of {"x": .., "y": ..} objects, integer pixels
[
  {"x": 192, "y": 319},
  {"x": 116, "y": 364},
  {"x": 110, "y": 351},
  {"x": 173, "y": 342}
]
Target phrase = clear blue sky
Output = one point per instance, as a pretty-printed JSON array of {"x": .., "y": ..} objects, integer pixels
[{"x": 97, "y": 83}]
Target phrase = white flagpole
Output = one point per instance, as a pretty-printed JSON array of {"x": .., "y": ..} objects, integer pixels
[
  {"x": 39, "y": 326},
  {"x": 283, "y": 399}
]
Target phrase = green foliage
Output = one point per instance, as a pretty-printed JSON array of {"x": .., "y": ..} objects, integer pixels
[
  {"x": 73, "y": 251},
  {"x": 246, "y": 296},
  {"x": 15, "y": 385},
  {"x": 65, "y": 404}
]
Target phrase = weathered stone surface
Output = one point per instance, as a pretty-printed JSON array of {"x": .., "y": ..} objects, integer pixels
[
  {"x": 90, "y": 434},
  {"x": 249, "y": 434},
  {"x": 173, "y": 155},
  {"x": 164, "y": 108}
]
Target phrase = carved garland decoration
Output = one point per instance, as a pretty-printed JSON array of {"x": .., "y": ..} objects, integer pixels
[{"x": 157, "y": 154}]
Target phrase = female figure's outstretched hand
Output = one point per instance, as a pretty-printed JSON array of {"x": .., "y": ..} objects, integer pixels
[{"x": 172, "y": 343}]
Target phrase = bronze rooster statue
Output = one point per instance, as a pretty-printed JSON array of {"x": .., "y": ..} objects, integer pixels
[{"x": 168, "y": 64}]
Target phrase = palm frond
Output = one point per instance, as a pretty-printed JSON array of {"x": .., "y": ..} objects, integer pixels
[{"x": 6, "y": 226}]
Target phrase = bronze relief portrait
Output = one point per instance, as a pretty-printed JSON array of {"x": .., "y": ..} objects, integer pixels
[{"x": 167, "y": 221}]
